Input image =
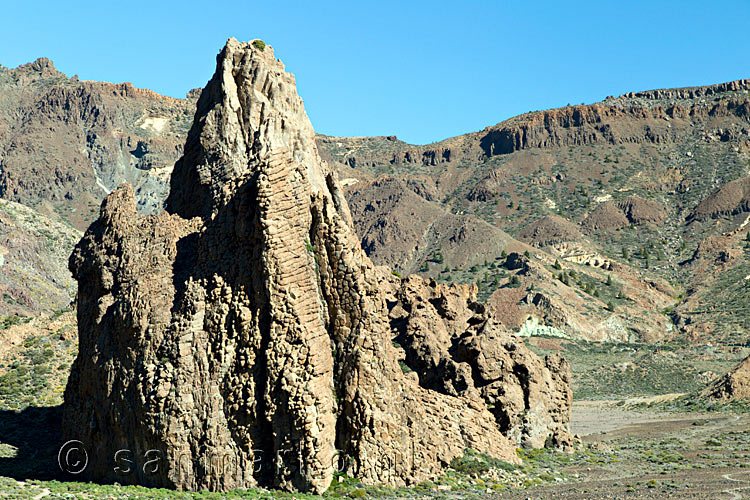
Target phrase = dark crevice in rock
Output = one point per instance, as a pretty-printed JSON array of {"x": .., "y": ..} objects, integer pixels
[{"x": 522, "y": 374}]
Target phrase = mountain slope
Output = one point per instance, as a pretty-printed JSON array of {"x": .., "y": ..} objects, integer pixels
[
  {"x": 65, "y": 143},
  {"x": 647, "y": 176},
  {"x": 648, "y": 179}
]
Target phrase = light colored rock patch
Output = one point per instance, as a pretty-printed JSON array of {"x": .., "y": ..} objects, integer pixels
[
  {"x": 157, "y": 124},
  {"x": 101, "y": 185},
  {"x": 532, "y": 328}
]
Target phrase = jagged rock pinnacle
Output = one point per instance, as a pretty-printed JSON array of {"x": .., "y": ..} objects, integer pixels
[
  {"x": 244, "y": 324},
  {"x": 248, "y": 113}
]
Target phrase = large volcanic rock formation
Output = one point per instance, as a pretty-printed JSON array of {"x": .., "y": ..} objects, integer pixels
[{"x": 243, "y": 334}]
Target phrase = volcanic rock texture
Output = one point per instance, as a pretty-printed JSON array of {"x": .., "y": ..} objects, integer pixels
[
  {"x": 243, "y": 333},
  {"x": 456, "y": 347},
  {"x": 65, "y": 143}
]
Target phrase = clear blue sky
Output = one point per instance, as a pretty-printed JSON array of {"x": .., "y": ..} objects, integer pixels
[{"x": 421, "y": 70}]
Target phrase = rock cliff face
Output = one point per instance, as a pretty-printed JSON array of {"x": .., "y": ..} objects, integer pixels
[
  {"x": 243, "y": 333},
  {"x": 649, "y": 117},
  {"x": 66, "y": 143}
]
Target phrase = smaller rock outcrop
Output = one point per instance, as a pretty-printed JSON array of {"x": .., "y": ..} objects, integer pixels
[
  {"x": 713, "y": 252},
  {"x": 606, "y": 217},
  {"x": 610, "y": 215},
  {"x": 639, "y": 211},
  {"x": 729, "y": 199},
  {"x": 456, "y": 347},
  {"x": 42, "y": 67},
  {"x": 549, "y": 230},
  {"x": 732, "y": 386}
]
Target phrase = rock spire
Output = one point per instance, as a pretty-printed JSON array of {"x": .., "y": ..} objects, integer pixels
[{"x": 242, "y": 337}]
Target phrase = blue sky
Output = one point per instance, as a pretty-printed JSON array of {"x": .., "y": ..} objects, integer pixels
[{"x": 423, "y": 71}]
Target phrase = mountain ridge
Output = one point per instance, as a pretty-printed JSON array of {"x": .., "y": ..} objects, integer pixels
[{"x": 491, "y": 183}]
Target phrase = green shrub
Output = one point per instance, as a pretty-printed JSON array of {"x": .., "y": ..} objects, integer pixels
[
  {"x": 473, "y": 462},
  {"x": 259, "y": 44},
  {"x": 60, "y": 312},
  {"x": 9, "y": 321}
]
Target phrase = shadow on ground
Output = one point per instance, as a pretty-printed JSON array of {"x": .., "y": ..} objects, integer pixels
[{"x": 35, "y": 435}]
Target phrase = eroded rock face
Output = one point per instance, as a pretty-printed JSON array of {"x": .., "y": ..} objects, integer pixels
[
  {"x": 457, "y": 348},
  {"x": 65, "y": 143},
  {"x": 243, "y": 333}
]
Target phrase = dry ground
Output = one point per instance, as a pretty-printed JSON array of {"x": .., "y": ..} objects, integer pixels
[{"x": 646, "y": 445}]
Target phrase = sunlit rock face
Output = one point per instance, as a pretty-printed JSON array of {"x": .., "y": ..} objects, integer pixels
[{"x": 242, "y": 337}]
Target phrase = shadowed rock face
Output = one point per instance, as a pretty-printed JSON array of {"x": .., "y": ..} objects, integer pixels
[{"x": 243, "y": 333}]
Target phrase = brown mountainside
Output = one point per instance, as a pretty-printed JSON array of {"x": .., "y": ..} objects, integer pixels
[
  {"x": 646, "y": 176},
  {"x": 65, "y": 143}
]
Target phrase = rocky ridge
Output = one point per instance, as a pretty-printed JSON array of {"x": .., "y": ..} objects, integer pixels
[
  {"x": 66, "y": 143},
  {"x": 655, "y": 116},
  {"x": 246, "y": 323}
]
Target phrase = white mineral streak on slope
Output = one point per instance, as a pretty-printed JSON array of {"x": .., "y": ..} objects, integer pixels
[{"x": 100, "y": 183}]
